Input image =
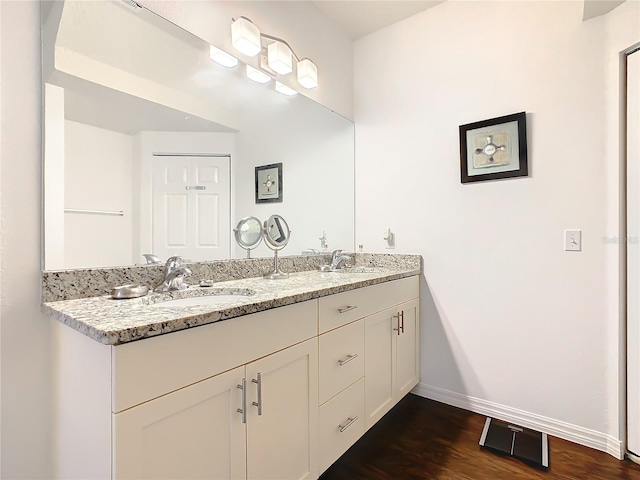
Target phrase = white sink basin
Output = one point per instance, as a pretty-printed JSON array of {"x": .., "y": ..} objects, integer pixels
[
  {"x": 216, "y": 298},
  {"x": 361, "y": 270}
]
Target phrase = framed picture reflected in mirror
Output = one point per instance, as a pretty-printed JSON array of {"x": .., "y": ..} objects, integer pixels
[{"x": 269, "y": 183}]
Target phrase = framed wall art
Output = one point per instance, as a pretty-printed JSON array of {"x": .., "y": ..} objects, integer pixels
[
  {"x": 494, "y": 148},
  {"x": 269, "y": 183}
]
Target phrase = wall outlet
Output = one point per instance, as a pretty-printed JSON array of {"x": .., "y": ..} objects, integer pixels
[{"x": 573, "y": 240}]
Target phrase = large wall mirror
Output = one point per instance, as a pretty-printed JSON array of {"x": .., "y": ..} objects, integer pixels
[{"x": 151, "y": 147}]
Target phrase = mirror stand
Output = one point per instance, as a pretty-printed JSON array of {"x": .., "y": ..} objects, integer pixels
[
  {"x": 276, "y": 234},
  {"x": 248, "y": 233},
  {"x": 276, "y": 273}
]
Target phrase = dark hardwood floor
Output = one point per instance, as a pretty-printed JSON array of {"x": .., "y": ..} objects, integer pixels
[{"x": 423, "y": 439}]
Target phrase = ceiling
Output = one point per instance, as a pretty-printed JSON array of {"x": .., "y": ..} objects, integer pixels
[{"x": 362, "y": 17}]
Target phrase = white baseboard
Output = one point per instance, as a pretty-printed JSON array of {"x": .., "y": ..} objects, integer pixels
[{"x": 573, "y": 433}]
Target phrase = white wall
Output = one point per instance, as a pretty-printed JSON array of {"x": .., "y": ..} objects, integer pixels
[
  {"x": 98, "y": 169},
  {"x": 511, "y": 322},
  {"x": 24, "y": 349}
]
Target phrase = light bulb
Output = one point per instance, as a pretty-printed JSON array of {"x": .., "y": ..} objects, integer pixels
[
  {"x": 307, "y": 73},
  {"x": 284, "y": 89},
  {"x": 257, "y": 75},
  {"x": 245, "y": 36},
  {"x": 279, "y": 58},
  {"x": 222, "y": 57}
]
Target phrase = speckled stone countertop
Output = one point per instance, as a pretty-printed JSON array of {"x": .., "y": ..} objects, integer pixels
[{"x": 113, "y": 322}]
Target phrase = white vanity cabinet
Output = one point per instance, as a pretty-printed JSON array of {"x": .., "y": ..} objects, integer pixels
[
  {"x": 199, "y": 432},
  {"x": 167, "y": 406},
  {"x": 369, "y": 359},
  {"x": 194, "y": 432},
  {"x": 279, "y": 394},
  {"x": 392, "y": 365}
]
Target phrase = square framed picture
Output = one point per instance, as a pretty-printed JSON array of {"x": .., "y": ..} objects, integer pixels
[
  {"x": 494, "y": 148},
  {"x": 269, "y": 183}
]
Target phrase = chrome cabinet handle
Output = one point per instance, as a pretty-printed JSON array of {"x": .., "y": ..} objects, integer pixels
[
  {"x": 350, "y": 422},
  {"x": 243, "y": 410},
  {"x": 347, "y": 308},
  {"x": 348, "y": 359},
  {"x": 400, "y": 317},
  {"x": 259, "y": 402}
]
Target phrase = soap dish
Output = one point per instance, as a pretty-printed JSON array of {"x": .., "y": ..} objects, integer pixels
[{"x": 129, "y": 291}]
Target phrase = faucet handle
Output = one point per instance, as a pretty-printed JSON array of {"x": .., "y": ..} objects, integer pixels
[
  {"x": 335, "y": 253},
  {"x": 174, "y": 262}
]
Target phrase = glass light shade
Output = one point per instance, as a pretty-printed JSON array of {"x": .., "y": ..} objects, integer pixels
[
  {"x": 279, "y": 58},
  {"x": 284, "y": 89},
  {"x": 245, "y": 36},
  {"x": 256, "y": 75},
  {"x": 307, "y": 73},
  {"x": 222, "y": 57}
]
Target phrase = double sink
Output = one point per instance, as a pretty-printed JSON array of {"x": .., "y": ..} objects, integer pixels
[{"x": 223, "y": 297}]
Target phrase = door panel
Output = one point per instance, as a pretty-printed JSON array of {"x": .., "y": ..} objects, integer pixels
[
  {"x": 380, "y": 351},
  {"x": 282, "y": 441},
  {"x": 407, "y": 353},
  {"x": 192, "y": 433},
  {"x": 633, "y": 253},
  {"x": 191, "y": 207}
]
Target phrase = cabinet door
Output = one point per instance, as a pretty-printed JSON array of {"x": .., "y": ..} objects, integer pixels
[
  {"x": 194, "y": 432},
  {"x": 282, "y": 428},
  {"x": 379, "y": 365},
  {"x": 407, "y": 351}
]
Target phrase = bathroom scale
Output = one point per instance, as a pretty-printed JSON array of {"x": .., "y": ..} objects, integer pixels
[{"x": 530, "y": 446}]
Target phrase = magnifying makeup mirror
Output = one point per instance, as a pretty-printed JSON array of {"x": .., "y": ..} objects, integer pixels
[
  {"x": 276, "y": 235},
  {"x": 248, "y": 233}
]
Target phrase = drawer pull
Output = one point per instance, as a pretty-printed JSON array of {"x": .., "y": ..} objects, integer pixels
[
  {"x": 259, "y": 402},
  {"x": 243, "y": 410},
  {"x": 347, "y": 308},
  {"x": 348, "y": 359},
  {"x": 402, "y": 317},
  {"x": 351, "y": 421}
]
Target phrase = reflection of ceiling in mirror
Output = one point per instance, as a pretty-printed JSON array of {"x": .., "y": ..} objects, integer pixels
[
  {"x": 102, "y": 107},
  {"x": 150, "y": 58}
]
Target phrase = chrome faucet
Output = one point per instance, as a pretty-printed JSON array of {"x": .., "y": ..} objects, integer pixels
[
  {"x": 174, "y": 275},
  {"x": 338, "y": 260},
  {"x": 152, "y": 259}
]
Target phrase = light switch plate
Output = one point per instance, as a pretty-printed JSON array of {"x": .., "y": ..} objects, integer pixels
[{"x": 573, "y": 240}]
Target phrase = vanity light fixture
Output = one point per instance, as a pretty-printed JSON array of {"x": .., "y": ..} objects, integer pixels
[
  {"x": 284, "y": 89},
  {"x": 307, "y": 73},
  {"x": 279, "y": 58},
  {"x": 257, "y": 75},
  {"x": 247, "y": 38},
  {"x": 222, "y": 57}
]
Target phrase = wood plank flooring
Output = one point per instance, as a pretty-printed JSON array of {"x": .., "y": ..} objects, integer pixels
[{"x": 423, "y": 439}]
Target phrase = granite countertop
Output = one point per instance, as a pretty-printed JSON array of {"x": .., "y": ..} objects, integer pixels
[{"x": 113, "y": 322}]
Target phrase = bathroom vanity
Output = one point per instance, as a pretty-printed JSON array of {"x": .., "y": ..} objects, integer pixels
[{"x": 278, "y": 384}]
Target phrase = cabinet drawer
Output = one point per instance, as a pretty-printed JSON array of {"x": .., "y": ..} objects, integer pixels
[
  {"x": 152, "y": 367},
  {"x": 341, "y": 423},
  {"x": 341, "y": 359},
  {"x": 342, "y": 308}
]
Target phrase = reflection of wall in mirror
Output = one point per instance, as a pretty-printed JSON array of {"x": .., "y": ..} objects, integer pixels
[{"x": 98, "y": 167}]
